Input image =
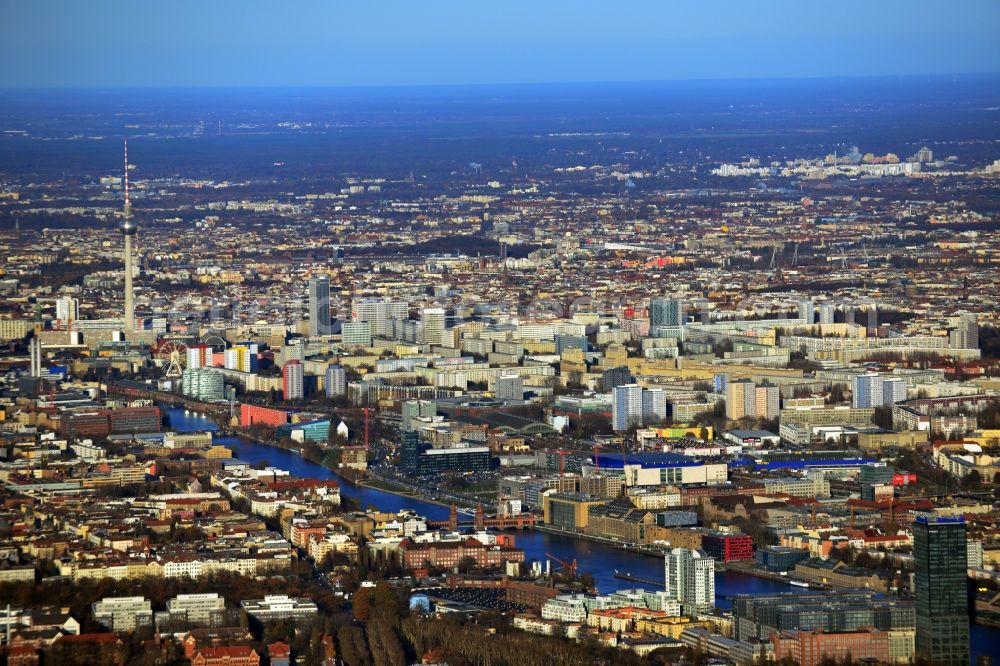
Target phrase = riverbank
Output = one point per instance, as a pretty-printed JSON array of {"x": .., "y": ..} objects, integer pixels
[
  {"x": 405, "y": 491},
  {"x": 238, "y": 433},
  {"x": 747, "y": 568},
  {"x": 618, "y": 545},
  {"x": 373, "y": 482},
  {"x": 385, "y": 486}
]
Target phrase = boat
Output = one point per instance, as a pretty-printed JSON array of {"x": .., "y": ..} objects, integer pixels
[
  {"x": 798, "y": 583},
  {"x": 635, "y": 579}
]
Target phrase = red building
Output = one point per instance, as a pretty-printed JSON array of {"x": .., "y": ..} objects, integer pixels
[
  {"x": 810, "y": 648},
  {"x": 93, "y": 423},
  {"x": 726, "y": 547},
  {"x": 100, "y": 648},
  {"x": 448, "y": 554},
  {"x": 102, "y": 422},
  {"x": 292, "y": 381},
  {"x": 302, "y": 530},
  {"x": 200, "y": 356},
  {"x": 279, "y": 654},
  {"x": 226, "y": 656},
  {"x": 255, "y": 414},
  {"x": 135, "y": 419},
  {"x": 22, "y": 655},
  {"x": 894, "y": 511}
]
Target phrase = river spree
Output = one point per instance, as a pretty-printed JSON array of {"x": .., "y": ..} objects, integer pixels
[{"x": 598, "y": 559}]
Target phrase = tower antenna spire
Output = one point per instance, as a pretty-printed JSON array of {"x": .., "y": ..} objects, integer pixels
[
  {"x": 128, "y": 206},
  {"x": 128, "y": 229}
]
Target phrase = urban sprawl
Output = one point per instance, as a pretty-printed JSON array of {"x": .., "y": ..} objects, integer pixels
[{"x": 795, "y": 382}]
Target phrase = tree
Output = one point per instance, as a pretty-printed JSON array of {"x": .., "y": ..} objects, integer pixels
[
  {"x": 972, "y": 480},
  {"x": 589, "y": 425},
  {"x": 386, "y": 646},
  {"x": 836, "y": 395},
  {"x": 467, "y": 564},
  {"x": 279, "y": 630},
  {"x": 361, "y": 604},
  {"x": 352, "y": 647},
  {"x": 719, "y": 349}
]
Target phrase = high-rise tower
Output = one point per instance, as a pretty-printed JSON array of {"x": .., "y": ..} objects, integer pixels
[
  {"x": 626, "y": 407},
  {"x": 690, "y": 579},
  {"x": 319, "y": 306},
  {"x": 665, "y": 312},
  {"x": 128, "y": 229},
  {"x": 292, "y": 381},
  {"x": 940, "y": 582},
  {"x": 433, "y": 320}
]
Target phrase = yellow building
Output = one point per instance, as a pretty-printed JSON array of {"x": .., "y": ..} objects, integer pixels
[
  {"x": 14, "y": 329},
  {"x": 671, "y": 627},
  {"x": 539, "y": 347},
  {"x": 738, "y": 394},
  {"x": 616, "y": 620},
  {"x": 615, "y": 356},
  {"x": 680, "y": 430},
  {"x": 984, "y": 437},
  {"x": 905, "y": 439},
  {"x": 216, "y": 452},
  {"x": 568, "y": 511},
  {"x": 700, "y": 370}
]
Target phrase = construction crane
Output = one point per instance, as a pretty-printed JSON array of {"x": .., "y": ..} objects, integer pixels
[
  {"x": 569, "y": 567},
  {"x": 562, "y": 460},
  {"x": 366, "y": 428},
  {"x": 597, "y": 459}
]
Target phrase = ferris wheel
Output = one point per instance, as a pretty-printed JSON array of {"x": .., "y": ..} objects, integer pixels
[{"x": 171, "y": 355}]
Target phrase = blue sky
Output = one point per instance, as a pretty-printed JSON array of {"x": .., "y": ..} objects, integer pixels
[{"x": 417, "y": 42}]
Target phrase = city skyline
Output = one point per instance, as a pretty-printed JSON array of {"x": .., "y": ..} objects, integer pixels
[{"x": 371, "y": 347}]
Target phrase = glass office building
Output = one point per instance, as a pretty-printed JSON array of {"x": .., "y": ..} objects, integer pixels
[{"x": 941, "y": 581}]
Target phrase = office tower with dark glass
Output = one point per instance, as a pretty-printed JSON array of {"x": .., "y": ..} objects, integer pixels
[
  {"x": 939, "y": 551},
  {"x": 319, "y": 306}
]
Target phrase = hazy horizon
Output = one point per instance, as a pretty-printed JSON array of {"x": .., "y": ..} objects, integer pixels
[
  {"x": 958, "y": 76},
  {"x": 57, "y": 43}
]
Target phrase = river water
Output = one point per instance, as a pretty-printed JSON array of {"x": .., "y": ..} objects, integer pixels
[{"x": 598, "y": 559}]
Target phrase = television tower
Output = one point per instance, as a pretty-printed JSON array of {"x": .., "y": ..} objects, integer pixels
[{"x": 128, "y": 229}]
